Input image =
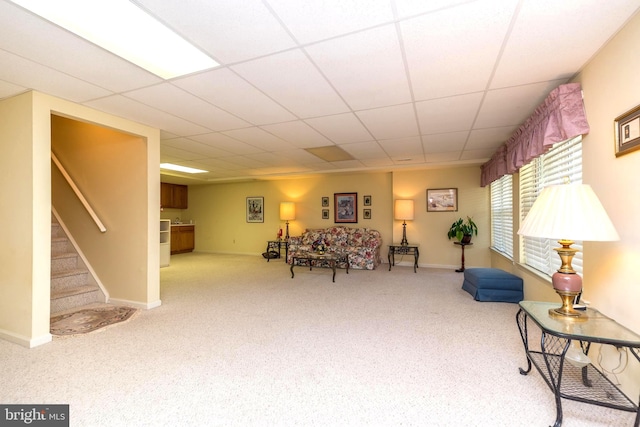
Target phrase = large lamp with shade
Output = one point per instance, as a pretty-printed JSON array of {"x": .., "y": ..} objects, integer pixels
[
  {"x": 287, "y": 213},
  {"x": 568, "y": 212},
  {"x": 403, "y": 211}
]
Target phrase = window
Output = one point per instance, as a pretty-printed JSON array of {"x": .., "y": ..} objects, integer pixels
[
  {"x": 502, "y": 215},
  {"x": 563, "y": 162}
]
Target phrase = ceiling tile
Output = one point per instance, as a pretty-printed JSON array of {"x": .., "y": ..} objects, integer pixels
[
  {"x": 9, "y": 89},
  {"x": 390, "y": 122},
  {"x": 225, "y": 89},
  {"x": 512, "y": 106},
  {"x": 341, "y": 128},
  {"x": 403, "y": 147},
  {"x": 298, "y": 133},
  {"x": 443, "y": 142},
  {"x": 408, "y": 8},
  {"x": 318, "y": 20},
  {"x": 226, "y": 143},
  {"x": 365, "y": 150},
  {"x": 454, "y": 51},
  {"x": 448, "y": 114},
  {"x": 133, "y": 110},
  {"x": 173, "y": 100},
  {"x": 489, "y": 138},
  {"x": 559, "y": 45},
  {"x": 229, "y": 30},
  {"x": 23, "y": 72},
  {"x": 366, "y": 68},
  {"x": 196, "y": 147},
  {"x": 292, "y": 80},
  {"x": 259, "y": 138}
]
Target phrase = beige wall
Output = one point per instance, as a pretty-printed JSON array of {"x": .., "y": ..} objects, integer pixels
[
  {"x": 25, "y": 252},
  {"x": 429, "y": 229},
  {"x": 219, "y": 210},
  {"x": 25, "y": 136}
]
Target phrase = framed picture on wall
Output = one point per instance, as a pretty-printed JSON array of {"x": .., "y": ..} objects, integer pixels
[
  {"x": 255, "y": 209},
  {"x": 627, "y": 132},
  {"x": 366, "y": 214},
  {"x": 325, "y": 202},
  {"x": 442, "y": 200},
  {"x": 345, "y": 207},
  {"x": 366, "y": 200},
  {"x": 325, "y": 213}
]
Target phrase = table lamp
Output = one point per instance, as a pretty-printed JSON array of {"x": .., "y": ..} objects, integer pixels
[
  {"x": 287, "y": 213},
  {"x": 568, "y": 212},
  {"x": 404, "y": 212}
]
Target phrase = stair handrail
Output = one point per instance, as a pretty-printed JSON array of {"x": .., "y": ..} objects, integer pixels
[{"x": 79, "y": 194}]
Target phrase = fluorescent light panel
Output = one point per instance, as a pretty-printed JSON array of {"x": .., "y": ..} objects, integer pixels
[
  {"x": 124, "y": 29},
  {"x": 178, "y": 168}
]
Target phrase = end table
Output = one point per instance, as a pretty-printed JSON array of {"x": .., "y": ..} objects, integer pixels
[
  {"x": 276, "y": 246},
  {"x": 409, "y": 249}
]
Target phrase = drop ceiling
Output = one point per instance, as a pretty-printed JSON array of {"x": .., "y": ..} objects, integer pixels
[{"x": 393, "y": 83}]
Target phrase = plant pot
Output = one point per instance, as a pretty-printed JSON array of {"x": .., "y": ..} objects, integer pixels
[{"x": 466, "y": 239}]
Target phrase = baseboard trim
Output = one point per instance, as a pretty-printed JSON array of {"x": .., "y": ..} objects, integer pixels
[
  {"x": 136, "y": 304},
  {"x": 25, "y": 341}
]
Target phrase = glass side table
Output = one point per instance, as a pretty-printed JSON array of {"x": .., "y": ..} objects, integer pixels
[
  {"x": 584, "y": 384},
  {"x": 401, "y": 249},
  {"x": 276, "y": 247}
]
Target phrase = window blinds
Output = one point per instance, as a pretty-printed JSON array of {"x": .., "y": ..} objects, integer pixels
[
  {"x": 561, "y": 164},
  {"x": 502, "y": 215}
]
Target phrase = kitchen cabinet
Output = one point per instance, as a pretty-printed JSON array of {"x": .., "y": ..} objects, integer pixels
[
  {"x": 182, "y": 238},
  {"x": 174, "y": 196}
]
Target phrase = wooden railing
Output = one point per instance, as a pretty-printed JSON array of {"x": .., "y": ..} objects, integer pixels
[{"x": 79, "y": 194}]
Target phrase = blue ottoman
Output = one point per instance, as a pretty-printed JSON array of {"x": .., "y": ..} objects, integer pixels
[{"x": 492, "y": 284}]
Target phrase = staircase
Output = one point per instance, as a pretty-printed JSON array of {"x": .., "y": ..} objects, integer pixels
[{"x": 72, "y": 285}]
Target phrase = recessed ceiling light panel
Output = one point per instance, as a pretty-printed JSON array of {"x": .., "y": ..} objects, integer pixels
[
  {"x": 124, "y": 29},
  {"x": 178, "y": 168}
]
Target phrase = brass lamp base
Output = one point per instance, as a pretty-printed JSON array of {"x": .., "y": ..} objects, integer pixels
[{"x": 567, "y": 309}]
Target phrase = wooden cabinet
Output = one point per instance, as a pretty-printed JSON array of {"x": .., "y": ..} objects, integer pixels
[
  {"x": 173, "y": 196},
  {"x": 182, "y": 238}
]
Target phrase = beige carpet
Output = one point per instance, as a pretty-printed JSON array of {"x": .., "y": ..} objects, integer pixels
[
  {"x": 89, "y": 320},
  {"x": 238, "y": 342}
]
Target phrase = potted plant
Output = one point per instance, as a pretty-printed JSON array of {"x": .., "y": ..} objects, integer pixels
[{"x": 463, "y": 230}]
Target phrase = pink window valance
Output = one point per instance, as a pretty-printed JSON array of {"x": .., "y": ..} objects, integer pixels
[{"x": 560, "y": 117}]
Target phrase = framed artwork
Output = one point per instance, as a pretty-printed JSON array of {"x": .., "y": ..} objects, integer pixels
[
  {"x": 627, "y": 132},
  {"x": 366, "y": 214},
  {"x": 255, "y": 209},
  {"x": 366, "y": 200},
  {"x": 325, "y": 202},
  {"x": 345, "y": 207},
  {"x": 325, "y": 213},
  {"x": 442, "y": 200}
]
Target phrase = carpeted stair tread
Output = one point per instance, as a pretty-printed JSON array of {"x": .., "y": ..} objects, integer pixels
[
  {"x": 62, "y": 255},
  {"x": 65, "y": 273},
  {"x": 73, "y": 291}
]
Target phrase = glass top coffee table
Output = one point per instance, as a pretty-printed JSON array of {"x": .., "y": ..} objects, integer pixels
[{"x": 331, "y": 258}]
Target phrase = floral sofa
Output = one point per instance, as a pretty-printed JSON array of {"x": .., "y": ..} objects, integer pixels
[{"x": 362, "y": 244}]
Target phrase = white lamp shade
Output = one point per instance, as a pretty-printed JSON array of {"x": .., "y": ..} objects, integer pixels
[
  {"x": 403, "y": 210},
  {"x": 287, "y": 211},
  {"x": 569, "y": 212}
]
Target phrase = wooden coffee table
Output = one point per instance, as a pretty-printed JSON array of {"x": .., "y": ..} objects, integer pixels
[{"x": 332, "y": 258}]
